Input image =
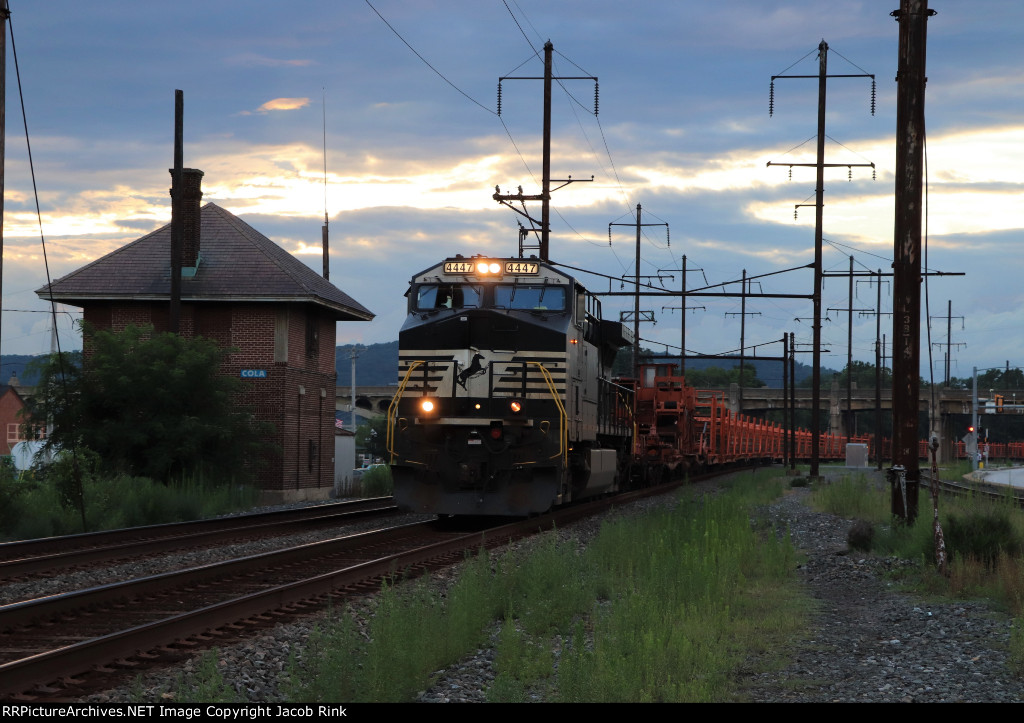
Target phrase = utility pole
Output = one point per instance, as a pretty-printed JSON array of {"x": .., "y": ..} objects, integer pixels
[
  {"x": 819, "y": 206},
  {"x": 949, "y": 337},
  {"x": 636, "y": 296},
  {"x": 849, "y": 353},
  {"x": 545, "y": 195},
  {"x": 906, "y": 364},
  {"x": 743, "y": 328},
  {"x": 683, "y": 308},
  {"x": 878, "y": 369},
  {"x": 353, "y": 355}
]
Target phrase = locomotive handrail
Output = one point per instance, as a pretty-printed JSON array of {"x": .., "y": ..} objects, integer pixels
[
  {"x": 562, "y": 451},
  {"x": 392, "y": 408}
]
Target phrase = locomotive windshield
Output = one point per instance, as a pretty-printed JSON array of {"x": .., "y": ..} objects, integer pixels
[
  {"x": 519, "y": 296},
  {"x": 447, "y": 296}
]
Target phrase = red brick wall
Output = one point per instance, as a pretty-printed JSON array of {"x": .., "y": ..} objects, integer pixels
[{"x": 298, "y": 419}]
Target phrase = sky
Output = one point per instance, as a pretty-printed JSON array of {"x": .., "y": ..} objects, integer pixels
[{"x": 403, "y": 96}]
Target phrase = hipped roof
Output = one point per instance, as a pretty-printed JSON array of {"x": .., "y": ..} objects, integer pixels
[{"x": 237, "y": 263}]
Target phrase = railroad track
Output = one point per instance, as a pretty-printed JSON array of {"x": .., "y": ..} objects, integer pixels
[
  {"x": 64, "y": 646},
  {"x": 960, "y": 486},
  {"x": 25, "y": 558}
]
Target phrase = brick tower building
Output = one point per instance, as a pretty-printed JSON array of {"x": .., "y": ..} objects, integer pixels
[{"x": 245, "y": 292}]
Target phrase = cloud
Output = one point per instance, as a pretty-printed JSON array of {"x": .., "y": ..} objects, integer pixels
[
  {"x": 279, "y": 104},
  {"x": 253, "y": 60}
]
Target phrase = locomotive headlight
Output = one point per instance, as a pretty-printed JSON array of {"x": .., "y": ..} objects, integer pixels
[
  {"x": 488, "y": 268},
  {"x": 427, "y": 405},
  {"x": 515, "y": 406}
]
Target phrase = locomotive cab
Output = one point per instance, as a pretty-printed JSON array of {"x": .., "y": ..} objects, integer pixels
[{"x": 510, "y": 357}]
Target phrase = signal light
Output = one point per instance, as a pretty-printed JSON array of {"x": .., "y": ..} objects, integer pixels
[
  {"x": 515, "y": 406},
  {"x": 427, "y": 405},
  {"x": 970, "y": 429},
  {"x": 496, "y": 431}
]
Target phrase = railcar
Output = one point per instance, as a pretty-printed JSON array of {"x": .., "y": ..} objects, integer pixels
[{"x": 505, "y": 403}]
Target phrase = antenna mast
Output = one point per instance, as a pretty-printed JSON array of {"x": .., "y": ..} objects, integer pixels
[{"x": 324, "y": 231}]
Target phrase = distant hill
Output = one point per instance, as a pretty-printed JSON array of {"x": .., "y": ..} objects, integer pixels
[
  {"x": 376, "y": 364},
  {"x": 15, "y": 364}
]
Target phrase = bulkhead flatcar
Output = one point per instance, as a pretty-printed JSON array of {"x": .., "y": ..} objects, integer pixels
[{"x": 505, "y": 403}]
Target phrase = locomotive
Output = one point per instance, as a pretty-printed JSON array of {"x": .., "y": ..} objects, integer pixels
[
  {"x": 506, "y": 402},
  {"x": 506, "y": 405}
]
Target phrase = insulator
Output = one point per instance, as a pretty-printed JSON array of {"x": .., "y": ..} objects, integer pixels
[
  {"x": 596, "y": 90},
  {"x": 609, "y": 235},
  {"x": 794, "y": 213},
  {"x": 771, "y": 99},
  {"x": 849, "y": 173},
  {"x": 873, "y": 176},
  {"x": 668, "y": 237},
  {"x": 791, "y": 173},
  {"x": 499, "y": 97},
  {"x": 872, "y": 96}
]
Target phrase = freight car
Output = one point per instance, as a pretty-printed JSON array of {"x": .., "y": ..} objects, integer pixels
[{"x": 506, "y": 403}]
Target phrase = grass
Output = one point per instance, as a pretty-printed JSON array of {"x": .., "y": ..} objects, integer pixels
[
  {"x": 33, "y": 506},
  {"x": 664, "y": 606}
]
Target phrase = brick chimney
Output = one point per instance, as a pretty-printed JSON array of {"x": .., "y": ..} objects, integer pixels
[{"x": 191, "y": 200}]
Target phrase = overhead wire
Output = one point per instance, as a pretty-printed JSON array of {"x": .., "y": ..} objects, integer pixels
[
  {"x": 62, "y": 371},
  {"x": 572, "y": 100}
]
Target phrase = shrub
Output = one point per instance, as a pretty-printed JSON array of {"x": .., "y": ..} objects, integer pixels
[
  {"x": 860, "y": 535},
  {"x": 982, "y": 534},
  {"x": 376, "y": 481}
]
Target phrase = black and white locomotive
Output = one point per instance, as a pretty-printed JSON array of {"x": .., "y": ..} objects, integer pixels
[{"x": 505, "y": 403}]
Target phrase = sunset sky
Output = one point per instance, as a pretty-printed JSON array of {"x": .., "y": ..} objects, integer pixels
[{"x": 414, "y": 151}]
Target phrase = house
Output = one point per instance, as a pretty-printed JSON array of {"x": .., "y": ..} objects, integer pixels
[
  {"x": 244, "y": 291},
  {"x": 15, "y": 445},
  {"x": 12, "y": 401}
]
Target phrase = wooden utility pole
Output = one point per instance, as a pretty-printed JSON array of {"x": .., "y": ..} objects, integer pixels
[
  {"x": 819, "y": 209},
  {"x": 905, "y": 474}
]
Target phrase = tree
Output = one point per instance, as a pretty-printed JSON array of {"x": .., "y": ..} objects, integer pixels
[
  {"x": 153, "y": 405},
  {"x": 719, "y": 378},
  {"x": 861, "y": 373}
]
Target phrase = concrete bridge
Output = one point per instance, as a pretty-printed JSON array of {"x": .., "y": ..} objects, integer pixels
[{"x": 370, "y": 401}]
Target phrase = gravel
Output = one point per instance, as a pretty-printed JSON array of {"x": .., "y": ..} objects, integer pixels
[{"x": 867, "y": 641}]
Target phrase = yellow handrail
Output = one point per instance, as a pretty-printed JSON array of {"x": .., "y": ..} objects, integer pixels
[
  {"x": 562, "y": 451},
  {"x": 390, "y": 436}
]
